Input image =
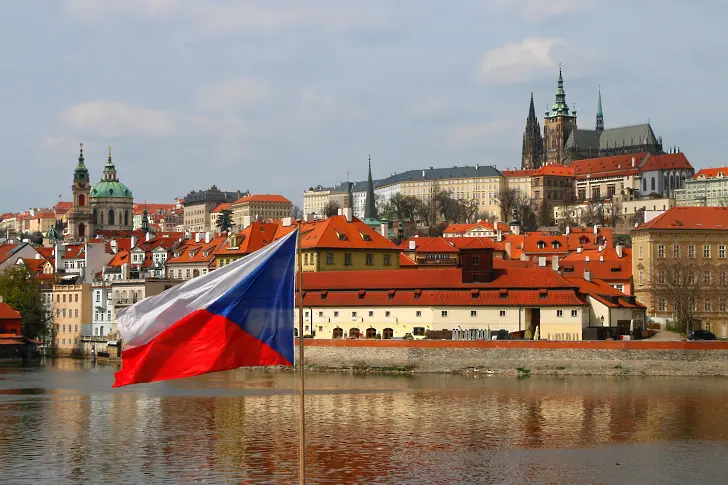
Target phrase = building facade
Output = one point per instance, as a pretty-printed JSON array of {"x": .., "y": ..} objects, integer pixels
[
  {"x": 72, "y": 306},
  {"x": 112, "y": 203},
  {"x": 260, "y": 207},
  {"x": 198, "y": 206},
  {"x": 707, "y": 188}
]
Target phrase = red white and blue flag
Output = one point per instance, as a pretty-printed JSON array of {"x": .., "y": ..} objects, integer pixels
[{"x": 239, "y": 315}]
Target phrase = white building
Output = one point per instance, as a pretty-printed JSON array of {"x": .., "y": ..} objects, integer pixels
[
  {"x": 707, "y": 188},
  {"x": 104, "y": 319}
]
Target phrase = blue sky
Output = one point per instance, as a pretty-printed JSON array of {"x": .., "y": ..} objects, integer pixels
[{"x": 275, "y": 96}]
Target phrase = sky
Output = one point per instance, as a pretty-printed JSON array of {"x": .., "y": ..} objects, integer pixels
[{"x": 277, "y": 96}]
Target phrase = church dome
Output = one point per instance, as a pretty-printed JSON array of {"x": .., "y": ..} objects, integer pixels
[{"x": 108, "y": 189}]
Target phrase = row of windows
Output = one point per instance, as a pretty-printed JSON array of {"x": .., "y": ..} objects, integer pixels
[
  {"x": 676, "y": 251},
  {"x": 63, "y": 328},
  {"x": 188, "y": 272},
  {"x": 74, "y": 341},
  {"x": 707, "y": 306},
  {"x": 443, "y": 313},
  {"x": 691, "y": 277},
  {"x": 99, "y": 316},
  {"x": 348, "y": 258},
  {"x": 72, "y": 297},
  {"x": 62, "y": 313}
]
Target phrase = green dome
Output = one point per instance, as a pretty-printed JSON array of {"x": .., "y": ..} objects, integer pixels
[{"x": 108, "y": 189}]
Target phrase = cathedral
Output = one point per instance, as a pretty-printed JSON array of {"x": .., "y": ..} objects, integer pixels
[
  {"x": 108, "y": 205},
  {"x": 562, "y": 142}
]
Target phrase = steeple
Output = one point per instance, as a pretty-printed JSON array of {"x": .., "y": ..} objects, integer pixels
[
  {"x": 110, "y": 170},
  {"x": 145, "y": 221},
  {"x": 560, "y": 108},
  {"x": 81, "y": 172},
  {"x": 370, "y": 208},
  {"x": 531, "y": 153},
  {"x": 600, "y": 115}
]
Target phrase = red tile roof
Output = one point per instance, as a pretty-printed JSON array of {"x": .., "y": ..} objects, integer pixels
[
  {"x": 153, "y": 208},
  {"x": 74, "y": 251},
  {"x": 429, "y": 245},
  {"x": 221, "y": 207},
  {"x": 191, "y": 252},
  {"x": 62, "y": 207},
  {"x": 554, "y": 170},
  {"x": 119, "y": 258},
  {"x": 262, "y": 198},
  {"x": 710, "y": 173},
  {"x": 7, "y": 312},
  {"x": 668, "y": 161},
  {"x": 405, "y": 262},
  {"x": 518, "y": 173},
  {"x": 46, "y": 252},
  {"x": 336, "y": 233},
  {"x": 689, "y": 218},
  {"x": 599, "y": 167},
  {"x": 463, "y": 228},
  {"x": 34, "y": 265},
  {"x": 604, "y": 293},
  {"x": 44, "y": 215},
  {"x": 251, "y": 239},
  {"x": 6, "y": 250}
]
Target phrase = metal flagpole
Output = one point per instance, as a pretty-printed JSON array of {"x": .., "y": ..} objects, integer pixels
[{"x": 302, "y": 415}]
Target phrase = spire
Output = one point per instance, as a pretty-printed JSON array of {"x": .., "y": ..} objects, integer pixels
[
  {"x": 370, "y": 209},
  {"x": 600, "y": 115},
  {"x": 532, "y": 141},
  {"x": 80, "y": 174},
  {"x": 531, "y": 109},
  {"x": 560, "y": 108},
  {"x": 110, "y": 170}
]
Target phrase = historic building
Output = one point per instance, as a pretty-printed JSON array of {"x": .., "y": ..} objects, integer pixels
[
  {"x": 79, "y": 215},
  {"x": 563, "y": 142},
  {"x": 199, "y": 204},
  {"x": 707, "y": 188}
]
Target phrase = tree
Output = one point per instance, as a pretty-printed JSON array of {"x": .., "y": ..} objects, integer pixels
[
  {"x": 679, "y": 283},
  {"x": 331, "y": 208},
  {"x": 544, "y": 217},
  {"x": 296, "y": 212},
  {"x": 508, "y": 199},
  {"x": 23, "y": 293},
  {"x": 568, "y": 219},
  {"x": 225, "y": 221},
  {"x": 467, "y": 210},
  {"x": 401, "y": 208},
  {"x": 613, "y": 209}
]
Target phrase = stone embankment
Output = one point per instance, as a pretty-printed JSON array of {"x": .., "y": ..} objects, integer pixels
[{"x": 646, "y": 357}]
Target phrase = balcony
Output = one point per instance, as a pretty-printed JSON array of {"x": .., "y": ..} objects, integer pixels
[
  {"x": 125, "y": 301},
  {"x": 437, "y": 261}
]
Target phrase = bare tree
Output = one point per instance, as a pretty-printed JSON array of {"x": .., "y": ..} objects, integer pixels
[
  {"x": 678, "y": 284},
  {"x": 401, "y": 208},
  {"x": 467, "y": 210},
  {"x": 544, "y": 216},
  {"x": 508, "y": 199},
  {"x": 296, "y": 212},
  {"x": 331, "y": 208},
  {"x": 613, "y": 209}
]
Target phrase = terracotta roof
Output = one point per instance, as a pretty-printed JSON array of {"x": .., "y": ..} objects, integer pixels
[
  {"x": 554, "y": 170},
  {"x": 604, "y": 293},
  {"x": 261, "y": 198},
  {"x": 119, "y": 258},
  {"x": 429, "y": 245},
  {"x": 474, "y": 242},
  {"x": 34, "y": 265},
  {"x": 463, "y": 228},
  {"x": 191, "y": 252},
  {"x": 499, "y": 263},
  {"x": 405, "y": 262},
  {"x": 597, "y": 167},
  {"x": 667, "y": 161},
  {"x": 711, "y": 173},
  {"x": 7, "y": 312},
  {"x": 44, "y": 215},
  {"x": 336, "y": 233},
  {"x": 518, "y": 173},
  {"x": 7, "y": 250},
  {"x": 153, "y": 208},
  {"x": 221, "y": 207},
  {"x": 608, "y": 253},
  {"x": 614, "y": 271},
  {"x": 251, "y": 239},
  {"x": 74, "y": 251},
  {"x": 46, "y": 252},
  {"x": 62, "y": 207},
  {"x": 689, "y": 218}
]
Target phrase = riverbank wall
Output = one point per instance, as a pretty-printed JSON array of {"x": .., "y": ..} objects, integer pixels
[{"x": 524, "y": 357}]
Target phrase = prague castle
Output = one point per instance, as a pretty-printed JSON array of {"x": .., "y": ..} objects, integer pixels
[{"x": 563, "y": 142}]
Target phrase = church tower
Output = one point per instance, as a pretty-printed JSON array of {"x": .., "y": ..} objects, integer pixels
[
  {"x": 557, "y": 126},
  {"x": 532, "y": 151},
  {"x": 79, "y": 216},
  {"x": 600, "y": 115}
]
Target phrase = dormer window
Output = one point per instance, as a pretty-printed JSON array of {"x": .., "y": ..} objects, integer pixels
[
  {"x": 341, "y": 236},
  {"x": 556, "y": 244},
  {"x": 720, "y": 174},
  {"x": 541, "y": 245},
  {"x": 366, "y": 237}
]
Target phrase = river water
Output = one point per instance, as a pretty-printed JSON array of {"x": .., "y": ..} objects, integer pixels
[{"x": 61, "y": 423}]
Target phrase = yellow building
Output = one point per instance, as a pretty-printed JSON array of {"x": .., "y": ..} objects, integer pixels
[
  {"x": 41, "y": 222},
  {"x": 262, "y": 206},
  {"x": 344, "y": 243},
  {"x": 315, "y": 200},
  {"x": 73, "y": 307},
  {"x": 696, "y": 240},
  {"x": 520, "y": 181}
]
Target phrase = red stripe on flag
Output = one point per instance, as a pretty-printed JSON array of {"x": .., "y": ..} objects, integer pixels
[{"x": 199, "y": 343}]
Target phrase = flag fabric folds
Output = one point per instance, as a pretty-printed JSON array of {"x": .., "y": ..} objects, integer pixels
[{"x": 239, "y": 315}]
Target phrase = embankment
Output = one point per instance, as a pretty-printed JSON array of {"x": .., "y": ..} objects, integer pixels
[{"x": 645, "y": 357}]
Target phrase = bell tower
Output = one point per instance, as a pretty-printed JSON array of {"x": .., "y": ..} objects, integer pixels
[
  {"x": 79, "y": 217},
  {"x": 557, "y": 126}
]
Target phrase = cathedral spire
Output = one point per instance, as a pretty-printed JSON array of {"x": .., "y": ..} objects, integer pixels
[
  {"x": 531, "y": 153},
  {"x": 560, "y": 108},
  {"x": 600, "y": 115},
  {"x": 370, "y": 209}
]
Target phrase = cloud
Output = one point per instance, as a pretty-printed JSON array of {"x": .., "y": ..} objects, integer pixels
[
  {"x": 232, "y": 94},
  {"x": 515, "y": 63},
  {"x": 240, "y": 16},
  {"x": 468, "y": 134},
  {"x": 428, "y": 107},
  {"x": 535, "y": 10},
  {"x": 112, "y": 118}
]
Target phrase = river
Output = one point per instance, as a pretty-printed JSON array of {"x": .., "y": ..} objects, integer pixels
[{"x": 61, "y": 423}]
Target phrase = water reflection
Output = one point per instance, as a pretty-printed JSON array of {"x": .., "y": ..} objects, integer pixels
[{"x": 62, "y": 423}]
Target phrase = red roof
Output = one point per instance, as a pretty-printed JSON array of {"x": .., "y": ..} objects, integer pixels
[
  {"x": 7, "y": 312},
  {"x": 463, "y": 228},
  {"x": 44, "y": 215},
  {"x": 429, "y": 245},
  {"x": 518, "y": 173},
  {"x": 689, "y": 218},
  {"x": 667, "y": 161},
  {"x": 262, "y": 198},
  {"x": 711, "y": 173},
  {"x": 193, "y": 252},
  {"x": 251, "y": 239},
  {"x": 153, "y": 208},
  {"x": 336, "y": 232},
  {"x": 74, "y": 251},
  {"x": 62, "y": 207},
  {"x": 474, "y": 242},
  {"x": 599, "y": 167},
  {"x": 554, "y": 170},
  {"x": 604, "y": 293},
  {"x": 119, "y": 258},
  {"x": 6, "y": 250},
  {"x": 221, "y": 207}
]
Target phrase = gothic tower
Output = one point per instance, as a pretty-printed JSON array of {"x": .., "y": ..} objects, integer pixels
[
  {"x": 370, "y": 207},
  {"x": 600, "y": 115},
  {"x": 79, "y": 217},
  {"x": 557, "y": 126},
  {"x": 532, "y": 152}
]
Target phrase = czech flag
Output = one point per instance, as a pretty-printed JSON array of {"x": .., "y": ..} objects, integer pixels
[{"x": 239, "y": 315}]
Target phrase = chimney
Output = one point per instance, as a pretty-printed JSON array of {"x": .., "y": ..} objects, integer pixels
[
  {"x": 188, "y": 234},
  {"x": 508, "y": 247},
  {"x": 114, "y": 246},
  {"x": 601, "y": 258},
  {"x": 620, "y": 250},
  {"x": 412, "y": 245},
  {"x": 499, "y": 236},
  {"x": 148, "y": 236},
  {"x": 633, "y": 160},
  {"x": 477, "y": 166},
  {"x": 198, "y": 237},
  {"x": 384, "y": 229},
  {"x": 596, "y": 228},
  {"x": 208, "y": 237},
  {"x": 423, "y": 173},
  {"x": 286, "y": 221},
  {"x": 125, "y": 271},
  {"x": 555, "y": 263},
  {"x": 579, "y": 250},
  {"x": 348, "y": 212},
  {"x": 587, "y": 259},
  {"x": 568, "y": 230},
  {"x": 542, "y": 261},
  {"x": 134, "y": 240},
  {"x": 587, "y": 275}
]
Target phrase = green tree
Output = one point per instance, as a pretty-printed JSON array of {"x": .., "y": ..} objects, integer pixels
[
  {"x": 23, "y": 293},
  {"x": 401, "y": 208},
  {"x": 225, "y": 221}
]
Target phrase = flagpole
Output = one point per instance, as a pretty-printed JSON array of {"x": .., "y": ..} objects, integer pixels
[{"x": 302, "y": 415}]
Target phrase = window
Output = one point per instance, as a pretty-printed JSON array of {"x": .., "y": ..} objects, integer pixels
[
  {"x": 347, "y": 259},
  {"x": 662, "y": 305},
  {"x": 387, "y": 260},
  {"x": 64, "y": 298},
  {"x": 661, "y": 277},
  {"x": 721, "y": 251},
  {"x": 98, "y": 296},
  {"x": 336, "y": 314},
  {"x": 64, "y": 328},
  {"x": 187, "y": 273},
  {"x": 574, "y": 313},
  {"x": 387, "y": 314},
  {"x": 707, "y": 277},
  {"x": 370, "y": 259},
  {"x": 418, "y": 313},
  {"x": 305, "y": 258},
  {"x": 691, "y": 251},
  {"x": 75, "y": 313},
  {"x": 64, "y": 313},
  {"x": 443, "y": 314},
  {"x": 706, "y": 251},
  {"x": 721, "y": 306},
  {"x": 639, "y": 279},
  {"x": 108, "y": 315},
  {"x": 559, "y": 313},
  {"x": 75, "y": 328},
  {"x": 476, "y": 261},
  {"x": 707, "y": 305},
  {"x": 371, "y": 313},
  {"x": 329, "y": 258},
  {"x": 691, "y": 277},
  {"x": 661, "y": 251},
  {"x": 502, "y": 313},
  {"x": 96, "y": 315},
  {"x": 321, "y": 314},
  {"x": 353, "y": 314},
  {"x": 473, "y": 313},
  {"x": 722, "y": 277},
  {"x": 675, "y": 250}
]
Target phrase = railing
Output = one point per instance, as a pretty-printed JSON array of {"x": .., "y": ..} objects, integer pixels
[
  {"x": 437, "y": 261},
  {"x": 125, "y": 301}
]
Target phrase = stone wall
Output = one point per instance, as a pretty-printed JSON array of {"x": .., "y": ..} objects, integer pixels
[{"x": 520, "y": 357}]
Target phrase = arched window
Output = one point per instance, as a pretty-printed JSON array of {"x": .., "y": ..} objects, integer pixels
[
  {"x": 111, "y": 217},
  {"x": 644, "y": 185},
  {"x": 387, "y": 333},
  {"x": 338, "y": 333},
  {"x": 371, "y": 333},
  {"x": 652, "y": 183},
  {"x": 94, "y": 216},
  {"x": 354, "y": 333},
  {"x": 81, "y": 200},
  {"x": 81, "y": 230},
  {"x": 126, "y": 217}
]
